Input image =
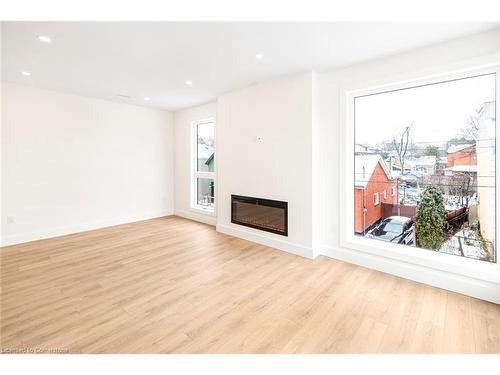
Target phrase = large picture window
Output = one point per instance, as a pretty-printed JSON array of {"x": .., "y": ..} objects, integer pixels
[
  {"x": 432, "y": 147},
  {"x": 203, "y": 184}
]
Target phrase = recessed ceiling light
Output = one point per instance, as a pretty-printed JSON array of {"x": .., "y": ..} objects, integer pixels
[
  {"x": 44, "y": 38},
  {"x": 189, "y": 82},
  {"x": 147, "y": 98},
  {"x": 259, "y": 56},
  {"x": 25, "y": 73}
]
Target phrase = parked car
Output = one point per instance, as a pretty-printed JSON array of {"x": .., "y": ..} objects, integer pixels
[{"x": 398, "y": 229}]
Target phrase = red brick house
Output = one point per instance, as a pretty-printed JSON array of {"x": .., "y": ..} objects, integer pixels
[
  {"x": 373, "y": 186},
  {"x": 462, "y": 155}
]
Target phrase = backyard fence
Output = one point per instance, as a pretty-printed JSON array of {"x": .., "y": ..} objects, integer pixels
[
  {"x": 389, "y": 209},
  {"x": 398, "y": 210}
]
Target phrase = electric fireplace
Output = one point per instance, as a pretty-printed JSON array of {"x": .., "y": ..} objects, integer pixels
[{"x": 259, "y": 213}]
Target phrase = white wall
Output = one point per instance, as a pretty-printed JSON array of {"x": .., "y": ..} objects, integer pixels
[
  {"x": 72, "y": 163},
  {"x": 182, "y": 155},
  {"x": 279, "y": 168}
]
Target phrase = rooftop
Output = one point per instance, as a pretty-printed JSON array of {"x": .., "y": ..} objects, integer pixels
[
  {"x": 425, "y": 160},
  {"x": 364, "y": 166},
  {"x": 456, "y": 148}
]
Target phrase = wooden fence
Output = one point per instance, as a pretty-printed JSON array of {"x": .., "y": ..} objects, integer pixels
[
  {"x": 410, "y": 211},
  {"x": 398, "y": 210}
]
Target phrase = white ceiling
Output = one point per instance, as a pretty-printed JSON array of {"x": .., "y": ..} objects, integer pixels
[{"x": 154, "y": 59}]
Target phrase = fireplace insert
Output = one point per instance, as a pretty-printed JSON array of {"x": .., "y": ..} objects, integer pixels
[{"x": 259, "y": 213}]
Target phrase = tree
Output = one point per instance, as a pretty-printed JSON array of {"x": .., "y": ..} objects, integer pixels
[
  {"x": 471, "y": 131},
  {"x": 401, "y": 146},
  {"x": 430, "y": 220},
  {"x": 463, "y": 186},
  {"x": 432, "y": 151}
]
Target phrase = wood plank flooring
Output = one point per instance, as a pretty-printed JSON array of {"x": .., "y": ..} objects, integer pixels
[{"x": 171, "y": 285}]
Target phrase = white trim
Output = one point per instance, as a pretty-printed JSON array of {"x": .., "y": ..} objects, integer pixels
[
  {"x": 250, "y": 235},
  {"x": 474, "y": 287},
  {"x": 209, "y": 211},
  {"x": 78, "y": 228},
  {"x": 468, "y": 276},
  {"x": 202, "y": 217},
  {"x": 376, "y": 202}
]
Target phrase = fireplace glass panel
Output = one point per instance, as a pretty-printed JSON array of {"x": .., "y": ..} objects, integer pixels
[{"x": 265, "y": 214}]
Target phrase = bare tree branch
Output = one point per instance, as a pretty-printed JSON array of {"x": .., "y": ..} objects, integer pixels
[
  {"x": 471, "y": 131},
  {"x": 401, "y": 147}
]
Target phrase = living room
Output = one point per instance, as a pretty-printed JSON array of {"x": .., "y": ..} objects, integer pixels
[{"x": 249, "y": 187}]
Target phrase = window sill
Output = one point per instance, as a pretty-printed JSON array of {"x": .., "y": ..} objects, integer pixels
[{"x": 480, "y": 270}]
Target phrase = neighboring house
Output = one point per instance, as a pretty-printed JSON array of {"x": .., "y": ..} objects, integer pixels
[
  {"x": 394, "y": 166},
  {"x": 373, "y": 186},
  {"x": 486, "y": 171},
  {"x": 461, "y": 159},
  {"x": 210, "y": 162},
  {"x": 424, "y": 165},
  {"x": 461, "y": 155},
  {"x": 205, "y": 152},
  {"x": 441, "y": 164},
  {"x": 410, "y": 178},
  {"x": 360, "y": 149},
  {"x": 460, "y": 169}
]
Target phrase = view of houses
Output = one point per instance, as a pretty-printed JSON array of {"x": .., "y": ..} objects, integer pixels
[{"x": 392, "y": 175}]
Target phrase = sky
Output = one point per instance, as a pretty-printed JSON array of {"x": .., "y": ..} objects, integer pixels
[{"x": 437, "y": 112}]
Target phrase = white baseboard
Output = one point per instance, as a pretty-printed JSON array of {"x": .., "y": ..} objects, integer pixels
[
  {"x": 262, "y": 239},
  {"x": 81, "y": 227},
  {"x": 485, "y": 290},
  {"x": 202, "y": 218}
]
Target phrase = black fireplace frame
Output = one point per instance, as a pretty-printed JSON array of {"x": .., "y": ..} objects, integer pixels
[{"x": 263, "y": 202}]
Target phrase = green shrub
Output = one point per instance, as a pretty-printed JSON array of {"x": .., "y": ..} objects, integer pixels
[{"x": 431, "y": 219}]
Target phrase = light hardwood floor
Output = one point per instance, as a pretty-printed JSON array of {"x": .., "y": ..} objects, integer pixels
[{"x": 171, "y": 285}]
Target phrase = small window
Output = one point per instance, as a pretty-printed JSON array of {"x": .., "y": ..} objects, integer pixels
[
  {"x": 385, "y": 195},
  {"x": 393, "y": 191},
  {"x": 376, "y": 199},
  {"x": 203, "y": 154}
]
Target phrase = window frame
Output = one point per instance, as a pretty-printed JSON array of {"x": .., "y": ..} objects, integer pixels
[
  {"x": 397, "y": 254},
  {"x": 195, "y": 174},
  {"x": 376, "y": 202}
]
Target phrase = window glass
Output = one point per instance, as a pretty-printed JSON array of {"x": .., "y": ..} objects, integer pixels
[
  {"x": 205, "y": 196},
  {"x": 205, "y": 147},
  {"x": 433, "y": 146},
  {"x": 203, "y": 182}
]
